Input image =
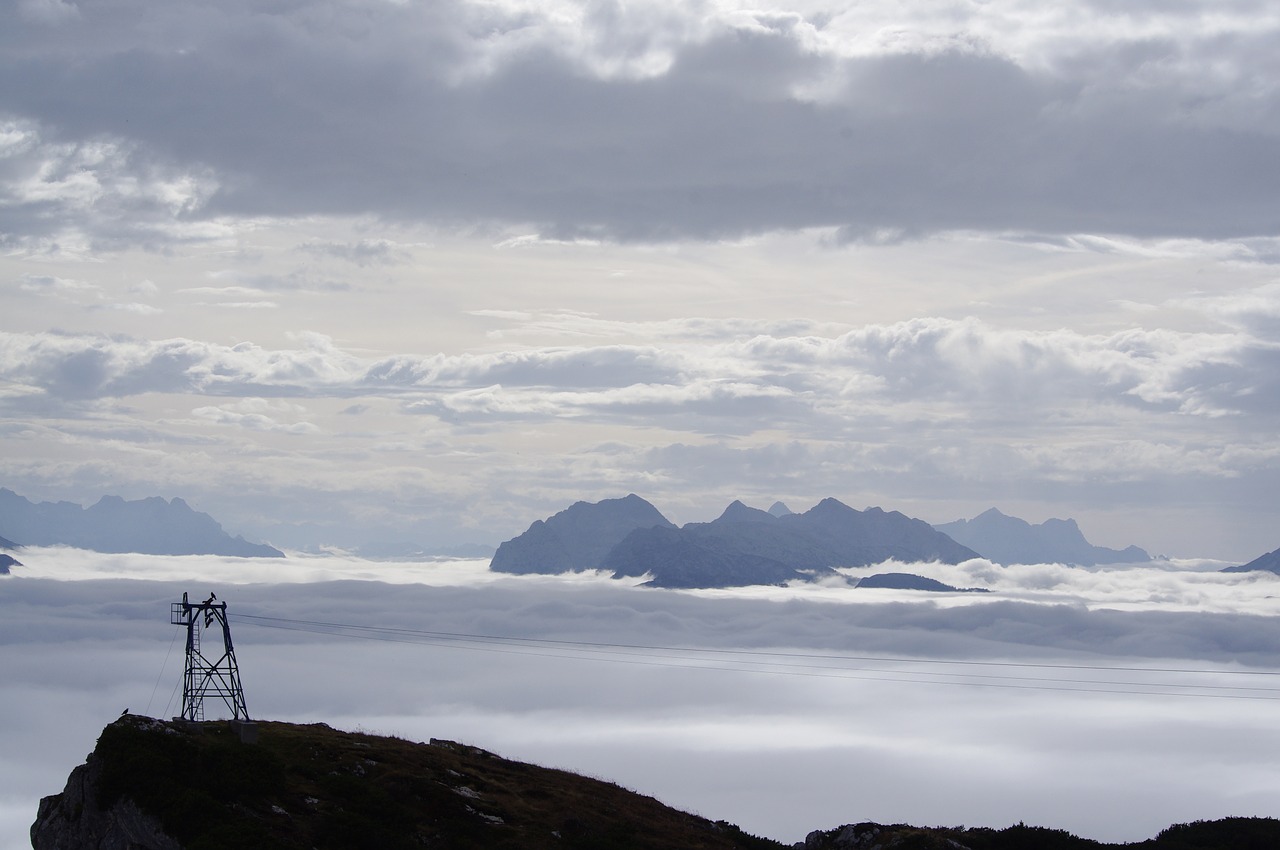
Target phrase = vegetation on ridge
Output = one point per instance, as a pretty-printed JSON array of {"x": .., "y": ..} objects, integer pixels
[
  {"x": 311, "y": 786},
  {"x": 317, "y": 787}
]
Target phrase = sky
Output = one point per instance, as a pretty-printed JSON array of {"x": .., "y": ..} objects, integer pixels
[
  {"x": 797, "y": 729},
  {"x": 342, "y": 272}
]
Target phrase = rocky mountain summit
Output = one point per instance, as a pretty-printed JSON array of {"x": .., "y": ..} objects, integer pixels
[
  {"x": 1009, "y": 540},
  {"x": 1269, "y": 562},
  {"x": 577, "y": 538},
  {"x": 743, "y": 546},
  {"x": 150, "y": 526},
  {"x": 156, "y": 785}
]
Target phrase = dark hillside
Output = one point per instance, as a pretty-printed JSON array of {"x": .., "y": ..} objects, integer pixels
[
  {"x": 195, "y": 786},
  {"x": 154, "y": 785}
]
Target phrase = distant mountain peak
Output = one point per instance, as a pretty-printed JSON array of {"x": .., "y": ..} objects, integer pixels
[
  {"x": 738, "y": 512},
  {"x": 779, "y": 509},
  {"x": 150, "y": 526},
  {"x": 746, "y": 546},
  {"x": 577, "y": 538},
  {"x": 1009, "y": 540}
]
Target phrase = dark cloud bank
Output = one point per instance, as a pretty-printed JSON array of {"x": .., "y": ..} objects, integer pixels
[{"x": 411, "y": 111}]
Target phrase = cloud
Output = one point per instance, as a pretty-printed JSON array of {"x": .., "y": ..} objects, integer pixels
[
  {"x": 103, "y": 187},
  {"x": 939, "y": 363},
  {"x": 657, "y": 122},
  {"x": 366, "y": 252},
  {"x": 80, "y": 647},
  {"x": 252, "y": 414},
  {"x": 50, "y": 285},
  {"x": 1256, "y": 311}
]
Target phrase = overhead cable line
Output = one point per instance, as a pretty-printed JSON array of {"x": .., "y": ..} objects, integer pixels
[{"x": 778, "y": 662}]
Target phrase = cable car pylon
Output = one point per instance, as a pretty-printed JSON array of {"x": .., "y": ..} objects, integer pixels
[{"x": 211, "y": 672}]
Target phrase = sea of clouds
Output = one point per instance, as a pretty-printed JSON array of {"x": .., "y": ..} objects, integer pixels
[{"x": 1109, "y": 701}]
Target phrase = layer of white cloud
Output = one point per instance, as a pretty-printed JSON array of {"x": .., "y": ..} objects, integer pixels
[
  {"x": 933, "y": 362},
  {"x": 811, "y": 742}
]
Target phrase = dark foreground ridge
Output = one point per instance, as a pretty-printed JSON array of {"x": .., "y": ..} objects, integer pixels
[{"x": 155, "y": 785}]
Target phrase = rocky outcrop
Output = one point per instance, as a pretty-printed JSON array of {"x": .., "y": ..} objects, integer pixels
[
  {"x": 1009, "y": 540},
  {"x": 150, "y": 526},
  {"x": 1269, "y": 562},
  {"x": 746, "y": 546},
  {"x": 74, "y": 819},
  {"x": 577, "y": 538}
]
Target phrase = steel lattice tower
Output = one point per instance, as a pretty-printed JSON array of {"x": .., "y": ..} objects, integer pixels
[{"x": 203, "y": 677}]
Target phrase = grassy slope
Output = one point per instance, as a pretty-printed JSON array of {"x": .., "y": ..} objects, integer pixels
[{"x": 313, "y": 786}]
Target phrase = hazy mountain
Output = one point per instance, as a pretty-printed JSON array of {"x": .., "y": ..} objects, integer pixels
[
  {"x": 148, "y": 526},
  {"x": 1269, "y": 562},
  {"x": 8, "y": 544},
  {"x": 911, "y": 581},
  {"x": 156, "y": 785},
  {"x": 1009, "y": 540},
  {"x": 779, "y": 509},
  {"x": 7, "y": 561},
  {"x": 745, "y": 546},
  {"x": 390, "y": 550},
  {"x": 577, "y": 538}
]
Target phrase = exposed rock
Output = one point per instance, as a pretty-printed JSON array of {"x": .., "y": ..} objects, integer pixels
[
  {"x": 150, "y": 526},
  {"x": 1269, "y": 562},
  {"x": 73, "y": 819},
  {"x": 1009, "y": 540},
  {"x": 577, "y": 538}
]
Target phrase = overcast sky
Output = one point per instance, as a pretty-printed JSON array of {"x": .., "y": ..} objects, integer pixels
[
  {"x": 337, "y": 272},
  {"x": 778, "y": 744}
]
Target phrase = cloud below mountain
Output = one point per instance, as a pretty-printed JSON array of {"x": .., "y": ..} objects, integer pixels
[{"x": 674, "y": 723}]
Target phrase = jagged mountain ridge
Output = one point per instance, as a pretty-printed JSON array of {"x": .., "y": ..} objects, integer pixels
[
  {"x": 1008, "y": 540},
  {"x": 156, "y": 785},
  {"x": 748, "y": 546},
  {"x": 151, "y": 526},
  {"x": 743, "y": 546}
]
